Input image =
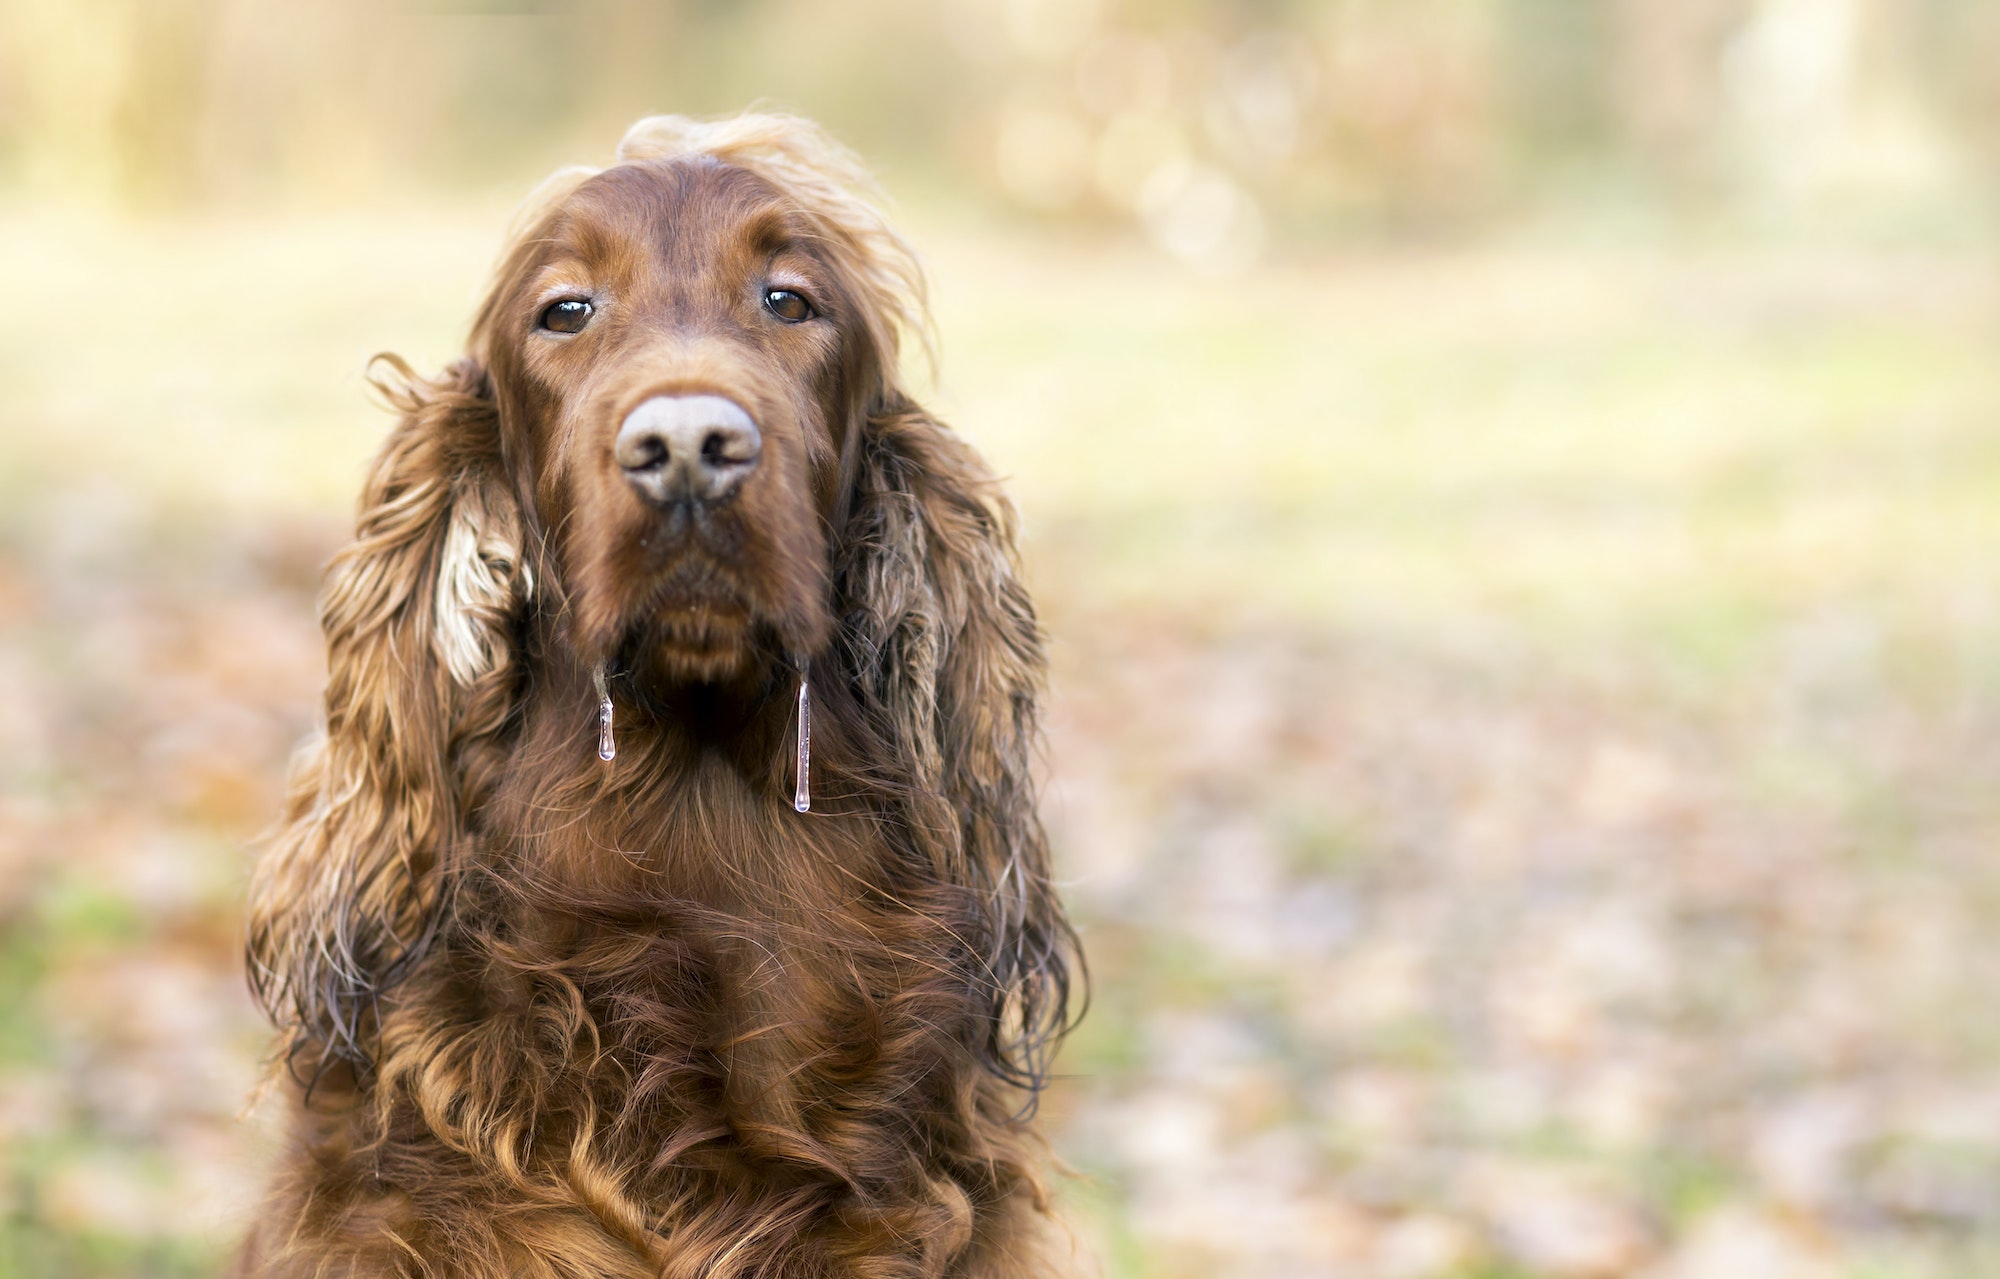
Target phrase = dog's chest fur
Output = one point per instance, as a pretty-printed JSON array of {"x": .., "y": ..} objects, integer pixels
[
  {"x": 658, "y": 962},
  {"x": 679, "y": 1029}
]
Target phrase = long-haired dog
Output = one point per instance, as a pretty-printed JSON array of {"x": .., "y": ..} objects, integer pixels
[{"x": 545, "y": 1013}]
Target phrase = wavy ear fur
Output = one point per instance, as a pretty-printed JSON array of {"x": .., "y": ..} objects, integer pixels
[
  {"x": 948, "y": 651},
  {"x": 419, "y": 614}
]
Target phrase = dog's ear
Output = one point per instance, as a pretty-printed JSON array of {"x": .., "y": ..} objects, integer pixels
[
  {"x": 948, "y": 652},
  {"x": 419, "y": 614}
]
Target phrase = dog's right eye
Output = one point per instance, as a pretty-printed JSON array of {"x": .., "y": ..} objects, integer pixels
[
  {"x": 566, "y": 316},
  {"x": 788, "y": 306}
]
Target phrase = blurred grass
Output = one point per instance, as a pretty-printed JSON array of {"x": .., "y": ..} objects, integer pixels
[{"x": 1524, "y": 738}]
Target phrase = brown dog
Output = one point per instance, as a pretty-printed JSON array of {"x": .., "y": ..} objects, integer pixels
[{"x": 549, "y": 1014}]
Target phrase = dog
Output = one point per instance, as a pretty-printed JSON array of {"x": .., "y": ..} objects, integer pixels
[{"x": 664, "y": 895}]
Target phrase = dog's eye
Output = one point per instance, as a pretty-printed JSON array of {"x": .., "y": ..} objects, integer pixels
[
  {"x": 567, "y": 316},
  {"x": 787, "y": 305}
]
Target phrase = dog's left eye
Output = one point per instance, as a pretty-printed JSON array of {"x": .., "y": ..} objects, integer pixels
[
  {"x": 787, "y": 305},
  {"x": 566, "y": 316}
]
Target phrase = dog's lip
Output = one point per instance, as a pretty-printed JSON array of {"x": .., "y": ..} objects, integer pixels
[
  {"x": 690, "y": 568},
  {"x": 694, "y": 591},
  {"x": 727, "y": 610}
]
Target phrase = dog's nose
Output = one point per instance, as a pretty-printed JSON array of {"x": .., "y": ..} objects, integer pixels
[{"x": 697, "y": 447}]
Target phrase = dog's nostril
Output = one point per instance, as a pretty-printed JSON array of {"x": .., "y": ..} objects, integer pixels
[
  {"x": 730, "y": 447},
  {"x": 647, "y": 453},
  {"x": 687, "y": 446}
]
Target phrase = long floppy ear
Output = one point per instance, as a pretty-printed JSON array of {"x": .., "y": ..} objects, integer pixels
[
  {"x": 419, "y": 613},
  {"x": 946, "y": 645}
]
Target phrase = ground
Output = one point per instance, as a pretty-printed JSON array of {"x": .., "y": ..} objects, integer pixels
[{"x": 1524, "y": 746}]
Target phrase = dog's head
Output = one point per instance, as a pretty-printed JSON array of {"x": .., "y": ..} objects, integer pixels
[
  {"x": 678, "y": 446},
  {"x": 683, "y": 351}
]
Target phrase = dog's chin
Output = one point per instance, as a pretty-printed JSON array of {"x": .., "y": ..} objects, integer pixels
[
  {"x": 676, "y": 615},
  {"x": 705, "y": 620},
  {"x": 710, "y": 640}
]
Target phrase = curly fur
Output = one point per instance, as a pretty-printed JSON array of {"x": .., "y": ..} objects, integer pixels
[{"x": 542, "y": 1017}]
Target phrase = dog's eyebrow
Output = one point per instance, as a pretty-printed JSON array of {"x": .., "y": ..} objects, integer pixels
[
  {"x": 775, "y": 228},
  {"x": 556, "y": 281}
]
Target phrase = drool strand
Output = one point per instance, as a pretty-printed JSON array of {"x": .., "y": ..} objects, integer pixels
[
  {"x": 802, "y": 794},
  {"x": 607, "y": 748}
]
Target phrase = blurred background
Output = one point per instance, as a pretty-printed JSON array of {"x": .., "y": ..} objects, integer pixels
[{"x": 1513, "y": 485}]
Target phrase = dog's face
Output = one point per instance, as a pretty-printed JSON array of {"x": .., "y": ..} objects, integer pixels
[{"x": 677, "y": 355}]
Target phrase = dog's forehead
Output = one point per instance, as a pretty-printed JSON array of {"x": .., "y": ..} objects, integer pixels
[{"x": 689, "y": 208}]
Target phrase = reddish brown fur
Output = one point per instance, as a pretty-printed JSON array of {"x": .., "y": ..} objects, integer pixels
[{"x": 550, "y": 1017}]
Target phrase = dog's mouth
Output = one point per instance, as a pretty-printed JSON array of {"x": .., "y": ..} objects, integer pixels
[{"x": 694, "y": 623}]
